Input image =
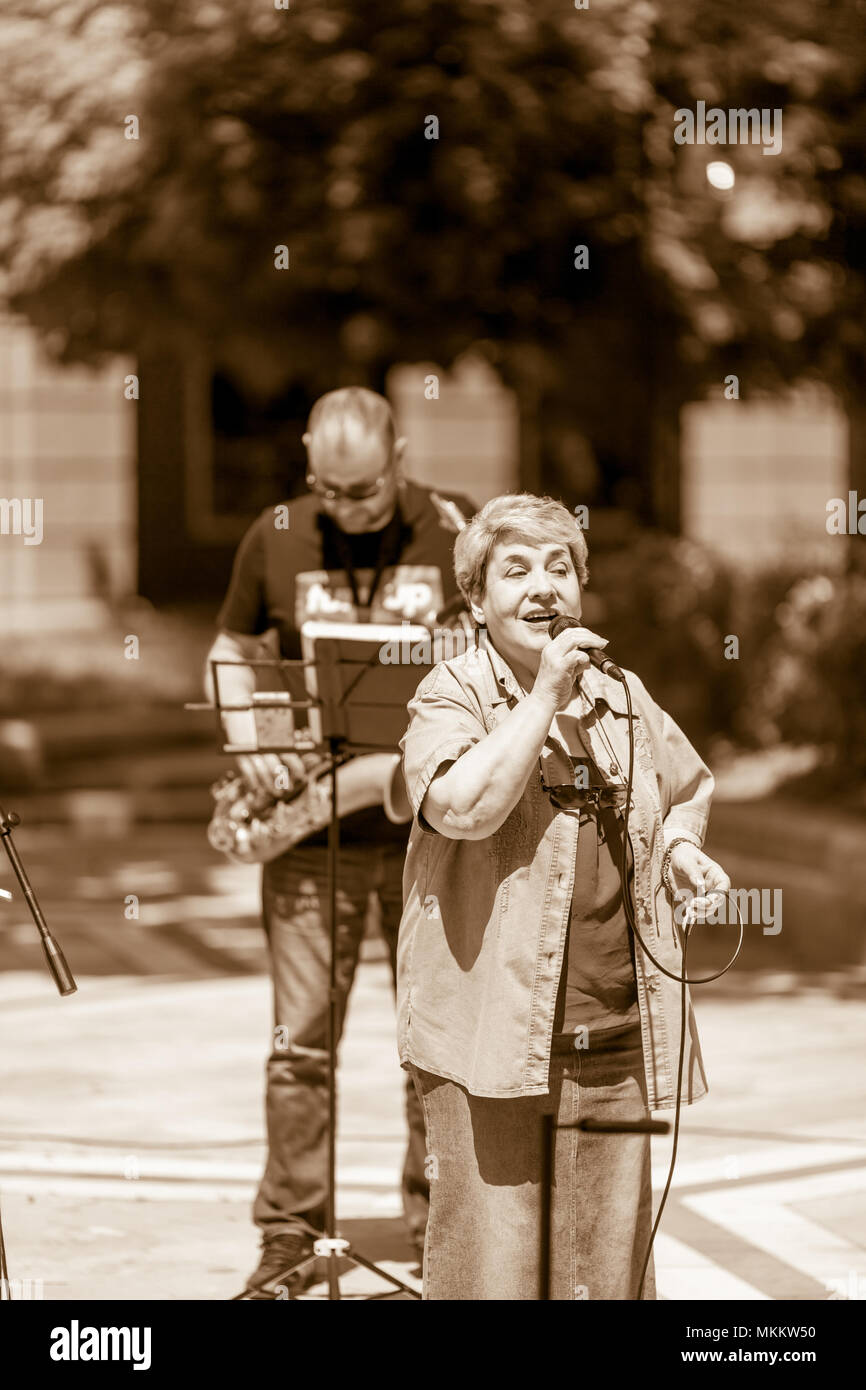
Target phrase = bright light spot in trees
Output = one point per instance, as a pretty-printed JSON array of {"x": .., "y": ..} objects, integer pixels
[{"x": 720, "y": 174}]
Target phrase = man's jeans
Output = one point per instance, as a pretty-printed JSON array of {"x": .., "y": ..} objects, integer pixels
[
  {"x": 486, "y": 1168},
  {"x": 295, "y": 905}
]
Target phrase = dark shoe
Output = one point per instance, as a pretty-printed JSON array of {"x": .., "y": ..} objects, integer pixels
[{"x": 281, "y": 1253}]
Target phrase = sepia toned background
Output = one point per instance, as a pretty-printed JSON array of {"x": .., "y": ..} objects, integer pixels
[{"x": 428, "y": 170}]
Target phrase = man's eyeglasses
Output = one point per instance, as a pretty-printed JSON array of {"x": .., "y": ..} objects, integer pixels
[{"x": 356, "y": 492}]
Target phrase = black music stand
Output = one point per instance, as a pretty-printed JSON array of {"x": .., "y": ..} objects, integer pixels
[{"x": 357, "y": 704}]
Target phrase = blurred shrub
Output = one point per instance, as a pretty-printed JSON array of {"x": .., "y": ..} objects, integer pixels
[
  {"x": 804, "y": 667},
  {"x": 54, "y": 672},
  {"x": 666, "y": 604}
]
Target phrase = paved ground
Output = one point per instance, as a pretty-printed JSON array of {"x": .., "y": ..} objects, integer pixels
[{"x": 131, "y": 1119}]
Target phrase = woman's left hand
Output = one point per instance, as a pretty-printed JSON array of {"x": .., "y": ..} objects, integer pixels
[{"x": 692, "y": 871}]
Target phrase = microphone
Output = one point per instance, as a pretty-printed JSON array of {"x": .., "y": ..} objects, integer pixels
[{"x": 596, "y": 656}]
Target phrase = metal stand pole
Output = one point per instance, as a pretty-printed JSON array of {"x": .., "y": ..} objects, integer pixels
[
  {"x": 549, "y": 1127},
  {"x": 333, "y": 1027},
  {"x": 331, "y": 1246},
  {"x": 55, "y": 958},
  {"x": 548, "y": 1136},
  {"x": 60, "y": 971}
]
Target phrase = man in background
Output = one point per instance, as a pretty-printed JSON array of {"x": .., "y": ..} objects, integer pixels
[{"x": 364, "y": 545}]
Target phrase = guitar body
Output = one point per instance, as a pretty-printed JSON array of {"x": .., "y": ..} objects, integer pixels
[{"x": 252, "y": 830}]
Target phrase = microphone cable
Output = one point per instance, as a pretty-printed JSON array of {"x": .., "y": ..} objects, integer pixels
[{"x": 683, "y": 980}]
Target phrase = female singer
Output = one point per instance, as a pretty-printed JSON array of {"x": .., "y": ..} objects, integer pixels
[{"x": 521, "y": 987}]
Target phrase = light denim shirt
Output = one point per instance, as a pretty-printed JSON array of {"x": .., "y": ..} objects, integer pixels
[{"x": 484, "y": 925}]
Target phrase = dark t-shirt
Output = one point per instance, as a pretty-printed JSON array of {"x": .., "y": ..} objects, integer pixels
[
  {"x": 291, "y": 566},
  {"x": 597, "y": 988}
]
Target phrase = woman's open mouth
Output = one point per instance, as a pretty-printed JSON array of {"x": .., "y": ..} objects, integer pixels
[{"x": 539, "y": 618}]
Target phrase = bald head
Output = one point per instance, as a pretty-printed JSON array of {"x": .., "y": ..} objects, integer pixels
[
  {"x": 340, "y": 420},
  {"x": 351, "y": 443}
]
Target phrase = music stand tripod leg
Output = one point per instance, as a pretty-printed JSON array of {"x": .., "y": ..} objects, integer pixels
[
  {"x": 273, "y": 1283},
  {"x": 333, "y": 1004},
  {"x": 333, "y": 1246}
]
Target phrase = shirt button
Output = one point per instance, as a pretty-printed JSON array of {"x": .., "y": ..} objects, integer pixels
[
  {"x": 562, "y": 880},
  {"x": 652, "y": 982},
  {"x": 614, "y": 769}
]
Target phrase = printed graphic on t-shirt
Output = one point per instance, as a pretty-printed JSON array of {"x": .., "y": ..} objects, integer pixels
[{"x": 410, "y": 592}]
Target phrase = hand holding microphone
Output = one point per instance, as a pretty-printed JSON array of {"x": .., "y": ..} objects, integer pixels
[
  {"x": 563, "y": 623},
  {"x": 565, "y": 658}
]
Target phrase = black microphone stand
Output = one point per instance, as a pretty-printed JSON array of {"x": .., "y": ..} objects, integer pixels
[
  {"x": 548, "y": 1136},
  {"x": 54, "y": 957}
]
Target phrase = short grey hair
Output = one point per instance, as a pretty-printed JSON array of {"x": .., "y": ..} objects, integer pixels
[{"x": 535, "y": 520}]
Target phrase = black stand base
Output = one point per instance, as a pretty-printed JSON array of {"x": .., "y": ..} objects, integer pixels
[{"x": 335, "y": 1249}]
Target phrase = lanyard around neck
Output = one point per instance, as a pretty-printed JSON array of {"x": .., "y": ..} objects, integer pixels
[{"x": 387, "y": 554}]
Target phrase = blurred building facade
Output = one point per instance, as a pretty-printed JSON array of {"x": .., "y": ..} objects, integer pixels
[
  {"x": 152, "y": 495},
  {"x": 68, "y": 456},
  {"x": 756, "y": 477}
]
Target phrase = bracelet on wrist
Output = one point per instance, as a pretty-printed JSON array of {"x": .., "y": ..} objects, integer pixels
[{"x": 666, "y": 860}]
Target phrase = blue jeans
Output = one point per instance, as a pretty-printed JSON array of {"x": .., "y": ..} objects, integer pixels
[
  {"x": 295, "y": 905},
  {"x": 485, "y": 1162}
]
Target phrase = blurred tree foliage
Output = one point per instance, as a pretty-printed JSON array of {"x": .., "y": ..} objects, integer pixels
[
  {"x": 805, "y": 683},
  {"x": 306, "y": 127},
  {"x": 668, "y": 603}
]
